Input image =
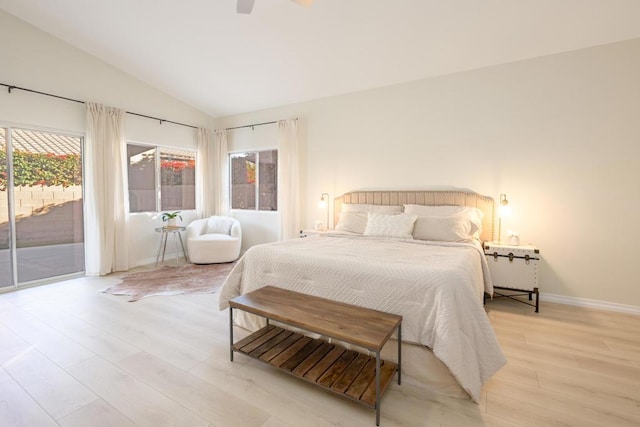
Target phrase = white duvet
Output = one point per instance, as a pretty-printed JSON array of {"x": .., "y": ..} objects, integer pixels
[{"x": 436, "y": 287}]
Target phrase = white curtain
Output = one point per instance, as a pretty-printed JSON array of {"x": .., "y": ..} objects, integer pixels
[
  {"x": 221, "y": 175},
  {"x": 106, "y": 192},
  {"x": 205, "y": 175},
  {"x": 288, "y": 191}
]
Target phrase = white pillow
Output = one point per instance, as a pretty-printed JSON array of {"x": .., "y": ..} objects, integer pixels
[
  {"x": 452, "y": 228},
  {"x": 354, "y": 222},
  {"x": 390, "y": 225},
  {"x": 474, "y": 215},
  {"x": 365, "y": 208},
  {"x": 219, "y": 225}
]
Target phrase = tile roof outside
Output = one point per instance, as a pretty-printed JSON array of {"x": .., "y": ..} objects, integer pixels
[{"x": 43, "y": 142}]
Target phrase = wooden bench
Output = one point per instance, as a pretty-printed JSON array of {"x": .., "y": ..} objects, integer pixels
[{"x": 351, "y": 374}]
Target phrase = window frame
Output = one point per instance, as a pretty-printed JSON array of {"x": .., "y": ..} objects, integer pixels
[
  {"x": 157, "y": 174},
  {"x": 230, "y": 154}
]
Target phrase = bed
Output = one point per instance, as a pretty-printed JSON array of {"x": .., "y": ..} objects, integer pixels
[{"x": 436, "y": 285}]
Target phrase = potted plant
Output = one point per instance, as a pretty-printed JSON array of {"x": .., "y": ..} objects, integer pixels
[{"x": 171, "y": 218}]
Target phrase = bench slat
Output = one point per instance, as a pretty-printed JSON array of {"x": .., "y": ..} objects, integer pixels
[
  {"x": 324, "y": 364},
  {"x": 268, "y": 345},
  {"x": 311, "y": 361}
]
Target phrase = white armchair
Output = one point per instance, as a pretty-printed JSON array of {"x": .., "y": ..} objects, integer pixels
[{"x": 214, "y": 240}]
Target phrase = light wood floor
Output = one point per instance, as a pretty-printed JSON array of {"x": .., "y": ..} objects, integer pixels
[{"x": 72, "y": 356}]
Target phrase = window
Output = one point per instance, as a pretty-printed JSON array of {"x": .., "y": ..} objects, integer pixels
[
  {"x": 160, "y": 179},
  {"x": 254, "y": 180},
  {"x": 177, "y": 180}
]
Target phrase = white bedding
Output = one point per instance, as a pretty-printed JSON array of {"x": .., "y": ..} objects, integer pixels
[{"x": 436, "y": 287}]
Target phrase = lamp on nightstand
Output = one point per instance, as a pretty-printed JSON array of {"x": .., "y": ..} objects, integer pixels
[
  {"x": 324, "y": 204},
  {"x": 504, "y": 210}
]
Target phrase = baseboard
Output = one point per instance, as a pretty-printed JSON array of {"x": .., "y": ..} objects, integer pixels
[{"x": 584, "y": 302}]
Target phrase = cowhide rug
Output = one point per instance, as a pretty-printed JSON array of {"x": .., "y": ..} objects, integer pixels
[{"x": 166, "y": 280}]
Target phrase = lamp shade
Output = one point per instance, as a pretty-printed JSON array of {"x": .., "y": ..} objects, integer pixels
[{"x": 504, "y": 211}]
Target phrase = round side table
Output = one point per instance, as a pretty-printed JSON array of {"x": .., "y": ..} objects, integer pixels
[{"x": 174, "y": 230}]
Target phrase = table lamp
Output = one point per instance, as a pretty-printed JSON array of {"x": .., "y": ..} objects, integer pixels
[
  {"x": 324, "y": 204},
  {"x": 504, "y": 210}
]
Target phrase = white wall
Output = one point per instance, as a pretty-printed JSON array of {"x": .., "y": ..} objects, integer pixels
[
  {"x": 558, "y": 134},
  {"x": 33, "y": 59}
]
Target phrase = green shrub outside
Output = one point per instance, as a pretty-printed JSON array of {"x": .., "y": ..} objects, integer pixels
[{"x": 46, "y": 169}]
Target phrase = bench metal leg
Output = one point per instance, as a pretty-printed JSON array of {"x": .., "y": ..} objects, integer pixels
[
  {"x": 377, "y": 388},
  {"x": 399, "y": 353},
  {"x": 231, "y": 333}
]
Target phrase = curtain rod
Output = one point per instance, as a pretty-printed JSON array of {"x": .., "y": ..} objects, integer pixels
[
  {"x": 255, "y": 124},
  {"x": 11, "y": 87},
  {"x": 250, "y": 126}
]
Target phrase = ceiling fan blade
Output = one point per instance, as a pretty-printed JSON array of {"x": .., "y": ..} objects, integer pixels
[
  {"x": 305, "y": 3},
  {"x": 245, "y": 6}
]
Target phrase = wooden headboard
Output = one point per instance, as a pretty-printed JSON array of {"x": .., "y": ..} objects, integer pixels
[{"x": 428, "y": 198}]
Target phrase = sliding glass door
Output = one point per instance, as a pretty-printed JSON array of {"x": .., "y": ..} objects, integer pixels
[
  {"x": 44, "y": 206},
  {"x": 6, "y": 272}
]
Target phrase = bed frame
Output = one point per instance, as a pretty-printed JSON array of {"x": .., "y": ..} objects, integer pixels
[{"x": 429, "y": 198}]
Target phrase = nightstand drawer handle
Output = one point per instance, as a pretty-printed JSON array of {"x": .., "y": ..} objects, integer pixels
[
  {"x": 510, "y": 256},
  {"x": 526, "y": 259},
  {"x": 495, "y": 256}
]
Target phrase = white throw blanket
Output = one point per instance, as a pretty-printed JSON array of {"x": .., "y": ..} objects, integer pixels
[{"x": 436, "y": 287}]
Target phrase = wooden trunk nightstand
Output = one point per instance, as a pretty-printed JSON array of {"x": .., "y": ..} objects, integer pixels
[{"x": 514, "y": 268}]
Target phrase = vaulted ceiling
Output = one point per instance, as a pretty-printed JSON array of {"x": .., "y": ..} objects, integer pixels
[{"x": 205, "y": 54}]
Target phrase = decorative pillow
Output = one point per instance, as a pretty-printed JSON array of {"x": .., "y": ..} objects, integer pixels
[
  {"x": 365, "y": 208},
  {"x": 452, "y": 228},
  {"x": 390, "y": 225},
  {"x": 354, "y": 222},
  {"x": 219, "y": 225},
  {"x": 474, "y": 215}
]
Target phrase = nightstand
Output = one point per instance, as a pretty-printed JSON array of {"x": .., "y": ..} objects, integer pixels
[{"x": 515, "y": 269}]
